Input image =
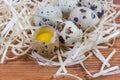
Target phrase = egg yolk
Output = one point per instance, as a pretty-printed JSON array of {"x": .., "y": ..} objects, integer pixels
[{"x": 44, "y": 37}]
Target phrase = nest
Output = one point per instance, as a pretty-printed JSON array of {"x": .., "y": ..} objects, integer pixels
[{"x": 17, "y": 29}]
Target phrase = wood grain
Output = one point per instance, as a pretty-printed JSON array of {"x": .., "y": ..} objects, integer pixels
[{"x": 26, "y": 68}]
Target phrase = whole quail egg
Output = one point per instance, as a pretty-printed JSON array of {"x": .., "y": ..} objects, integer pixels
[
  {"x": 67, "y": 5},
  {"x": 84, "y": 3},
  {"x": 95, "y": 5},
  {"x": 84, "y": 17},
  {"x": 69, "y": 33},
  {"x": 47, "y": 15},
  {"x": 39, "y": 21}
]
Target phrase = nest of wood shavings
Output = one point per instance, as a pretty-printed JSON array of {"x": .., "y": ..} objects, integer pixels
[{"x": 17, "y": 28}]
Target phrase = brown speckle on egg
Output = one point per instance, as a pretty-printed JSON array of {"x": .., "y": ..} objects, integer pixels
[
  {"x": 73, "y": 43},
  {"x": 51, "y": 52},
  {"x": 79, "y": 0},
  {"x": 78, "y": 25},
  {"x": 61, "y": 39},
  {"x": 68, "y": 30},
  {"x": 67, "y": 37},
  {"x": 46, "y": 46},
  {"x": 61, "y": 27},
  {"x": 55, "y": 49},
  {"x": 35, "y": 50},
  {"x": 42, "y": 51}
]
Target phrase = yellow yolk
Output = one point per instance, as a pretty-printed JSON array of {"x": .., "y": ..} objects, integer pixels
[{"x": 44, "y": 37}]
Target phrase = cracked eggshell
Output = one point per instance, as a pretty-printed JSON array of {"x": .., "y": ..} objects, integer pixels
[
  {"x": 67, "y": 5},
  {"x": 69, "y": 33},
  {"x": 84, "y": 17},
  {"x": 95, "y": 5},
  {"x": 47, "y": 50},
  {"x": 47, "y": 15}
]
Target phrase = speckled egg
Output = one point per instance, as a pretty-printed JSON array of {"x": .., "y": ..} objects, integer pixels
[
  {"x": 47, "y": 15},
  {"x": 95, "y": 5},
  {"x": 39, "y": 21},
  {"x": 67, "y": 5},
  {"x": 84, "y": 17},
  {"x": 69, "y": 33},
  {"x": 84, "y": 2}
]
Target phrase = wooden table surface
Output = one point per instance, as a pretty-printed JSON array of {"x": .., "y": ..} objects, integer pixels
[{"x": 26, "y": 68}]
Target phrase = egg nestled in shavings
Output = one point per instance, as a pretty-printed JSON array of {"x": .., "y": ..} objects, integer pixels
[
  {"x": 47, "y": 15},
  {"x": 95, "y": 5},
  {"x": 84, "y": 17},
  {"x": 67, "y": 5},
  {"x": 69, "y": 33},
  {"x": 98, "y": 8},
  {"x": 45, "y": 41}
]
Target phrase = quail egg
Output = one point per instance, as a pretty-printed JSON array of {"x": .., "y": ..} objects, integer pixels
[
  {"x": 95, "y": 5},
  {"x": 47, "y": 15},
  {"x": 67, "y": 5},
  {"x": 69, "y": 33},
  {"x": 84, "y": 17}
]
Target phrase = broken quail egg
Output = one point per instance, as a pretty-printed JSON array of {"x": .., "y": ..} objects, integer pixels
[
  {"x": 47, "y": 15},
  {"x": 45, "y": 41},
  {"x": 84, "y": 17},
  {"x": 69, "y": 33}
]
